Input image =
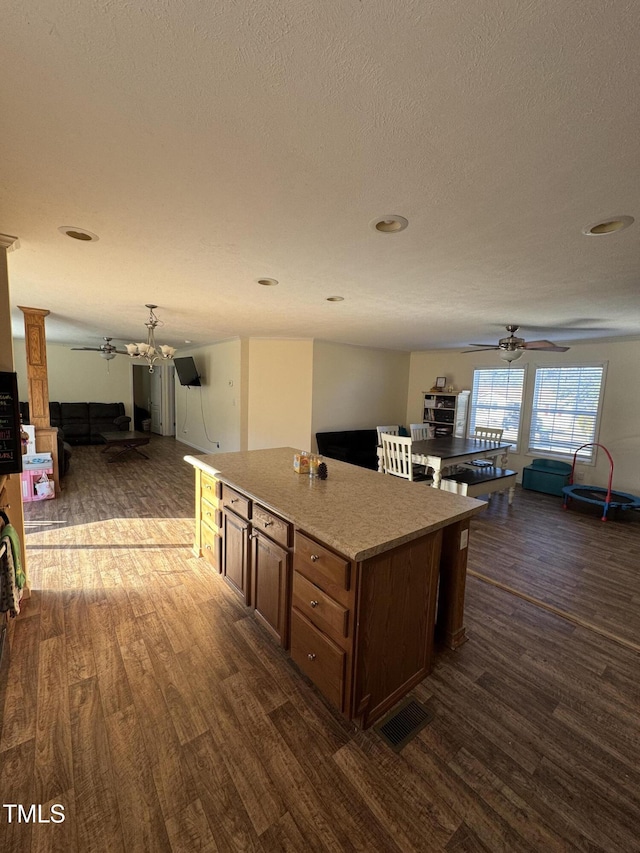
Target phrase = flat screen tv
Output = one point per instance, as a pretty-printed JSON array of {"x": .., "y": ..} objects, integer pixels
[{"x": 186, "y": 370}]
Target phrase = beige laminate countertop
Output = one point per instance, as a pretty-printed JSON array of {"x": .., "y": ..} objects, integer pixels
[{"x": 355, "y": 511}]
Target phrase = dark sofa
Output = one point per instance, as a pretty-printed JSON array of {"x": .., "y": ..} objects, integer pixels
[
  {"x": 82, "y": 423},
  {"x": 356, "y": 446}
]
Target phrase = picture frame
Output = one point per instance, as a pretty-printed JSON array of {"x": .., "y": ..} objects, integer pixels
[{"x": 441, "y": 383}]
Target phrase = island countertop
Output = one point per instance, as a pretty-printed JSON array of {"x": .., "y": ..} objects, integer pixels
[{"x": 355, "y": 511}]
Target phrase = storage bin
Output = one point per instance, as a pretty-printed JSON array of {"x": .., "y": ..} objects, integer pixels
[{"x": 546, "y": 475}]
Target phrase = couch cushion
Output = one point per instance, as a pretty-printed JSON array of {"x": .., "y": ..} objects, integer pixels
[
  {"x": 74, "y": 420},
  {"x": 74, "y": 413},
  {"x": 105, "y": 411},
  {"x": 55, "y": 415},
  {"x": 102, "y": 418}
]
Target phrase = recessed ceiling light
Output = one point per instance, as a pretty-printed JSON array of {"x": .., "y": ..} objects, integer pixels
[
  {"x": 188, "y": 342},
  {"x": 267, "y": 282},
  {"x": 390, "y": 224},
  {"x": 608, "y": 226},
  {"x": 78, "y": 233},
  {"x": 335, "y": 298}
]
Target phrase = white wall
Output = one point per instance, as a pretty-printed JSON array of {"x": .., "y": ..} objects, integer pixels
[
  {"x": 285, "y": 391},
  {"x": 79, "y": 377},
  {"x": 620, "y": 422},
  {"x": 212, "y": 413},
  {"x": 358, "y": 387},
  {"x": 279, "y": 393}
]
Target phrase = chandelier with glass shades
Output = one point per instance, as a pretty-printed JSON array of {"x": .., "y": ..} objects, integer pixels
[{"x": 150, "y": 351}]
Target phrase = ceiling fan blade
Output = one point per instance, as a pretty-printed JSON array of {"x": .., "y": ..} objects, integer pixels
[
  {"x": 480, "y": 348},
  {"x": 88, "y": 349},
  {"x": 544, "y": 345}
]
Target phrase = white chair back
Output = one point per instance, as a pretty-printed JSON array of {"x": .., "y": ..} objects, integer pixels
[
  {"x": 396, "y": 455},
  {"x": 488, "y": 433},
  {"x": 391, "y": 430},
  {"x": 419, "y": 432}
]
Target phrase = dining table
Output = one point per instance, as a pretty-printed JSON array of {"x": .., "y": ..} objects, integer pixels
[{"x": 442, "y": 452}]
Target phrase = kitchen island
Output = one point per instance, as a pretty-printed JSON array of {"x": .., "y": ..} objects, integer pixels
[{"x": 354, "y": 575}]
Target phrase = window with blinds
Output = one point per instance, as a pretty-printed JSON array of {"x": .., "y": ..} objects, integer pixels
[
  {"x": 496, "y": 401},
  {"x": 566, "y": 410}
]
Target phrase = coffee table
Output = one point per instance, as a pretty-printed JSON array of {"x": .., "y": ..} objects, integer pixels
[{"x": 124, "y": 442}]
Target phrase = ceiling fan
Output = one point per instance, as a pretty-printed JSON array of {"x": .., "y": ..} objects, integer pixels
[
  {"x": 106, "y": 350},
  {"x": 512, "y": 347}
]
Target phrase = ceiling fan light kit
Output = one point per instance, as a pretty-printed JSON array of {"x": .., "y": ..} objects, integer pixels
[
  {"x": 511, "y": 355},
  {"x": 151, "y": 351}
]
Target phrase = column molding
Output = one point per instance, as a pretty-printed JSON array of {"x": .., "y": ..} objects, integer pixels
[{"x": 35, "y": 343}]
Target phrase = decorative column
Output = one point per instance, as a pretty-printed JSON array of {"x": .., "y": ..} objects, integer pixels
[
  {"x": 10, "y": 487},
  {"x": 35, "y": 341}
]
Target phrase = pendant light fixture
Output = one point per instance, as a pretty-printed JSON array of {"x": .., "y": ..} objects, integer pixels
[{"x": 150, "y": 352}]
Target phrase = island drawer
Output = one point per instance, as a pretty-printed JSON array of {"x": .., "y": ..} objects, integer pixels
[
  {"x": 210, "y": 545},
  {"x": 271, "y": 525},
  {"x": 319, "y": 658},
  {"x": 236, "y": 501},
  {"x": 209, "y": 486},
  {"x": 210, "y": 515},
  {"x": 321, "y": 566},
  {"x": 325, "y": 613}
]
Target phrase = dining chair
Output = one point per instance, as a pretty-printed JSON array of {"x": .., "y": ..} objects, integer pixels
[
  {"x": 390, "y": 430},
  {"x": 419, "y": 432},
  {"x": 396, "y": 458},
  {"x": 485, "y": 433},
  {"x": 488, "y": 433}
]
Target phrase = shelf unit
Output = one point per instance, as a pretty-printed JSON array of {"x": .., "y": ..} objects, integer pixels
[{"x": 446, "y": 414}]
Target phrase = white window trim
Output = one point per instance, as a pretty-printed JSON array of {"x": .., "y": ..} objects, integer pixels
[{"x": 567, "y": 457}]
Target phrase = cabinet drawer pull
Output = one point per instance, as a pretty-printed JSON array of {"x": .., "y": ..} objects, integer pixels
[
  {"x": 252, "y": 535},
  {"x": 208, "y": 513},
  {"x": 234, "y": 500},
  {"x": 313, "y": 603},
  {"x": 208, "y": 487},
  {"x": 268, "y": 523},
  {"x": 311, "y": 656},
  {"x": 208, "y": 547},
  {"x": 314, "y": 558}
]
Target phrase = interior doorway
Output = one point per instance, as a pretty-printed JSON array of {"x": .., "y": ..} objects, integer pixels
[{"x": 154, "y": 407}]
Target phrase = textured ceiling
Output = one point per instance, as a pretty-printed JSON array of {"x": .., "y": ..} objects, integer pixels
[{"x": 210, "y": 145}]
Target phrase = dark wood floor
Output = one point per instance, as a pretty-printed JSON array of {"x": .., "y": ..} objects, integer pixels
[{"x": 143, "y": 698}]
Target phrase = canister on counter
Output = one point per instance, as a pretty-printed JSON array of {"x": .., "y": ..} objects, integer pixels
[
  {"x": 314, "y": 464},
  {"x": 301, "y": 462}
]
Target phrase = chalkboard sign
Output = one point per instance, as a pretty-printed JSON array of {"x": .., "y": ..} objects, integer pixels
[{"x": 10, "y": 446}]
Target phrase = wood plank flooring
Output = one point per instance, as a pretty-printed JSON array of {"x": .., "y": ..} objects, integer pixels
[{"x": 143, "y": 697}]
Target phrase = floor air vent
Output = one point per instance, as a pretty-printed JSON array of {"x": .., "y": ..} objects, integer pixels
[{"x": 398, "y": 728}]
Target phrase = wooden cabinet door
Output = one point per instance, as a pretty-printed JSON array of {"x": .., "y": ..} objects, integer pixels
[
  {"x": 235, "y": 562},
  {"x": 270, "y": 586}
]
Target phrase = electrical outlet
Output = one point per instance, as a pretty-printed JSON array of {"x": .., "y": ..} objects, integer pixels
[
  {"x": 579, "y": 476},
  {"x": 218, "y": 445}
]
